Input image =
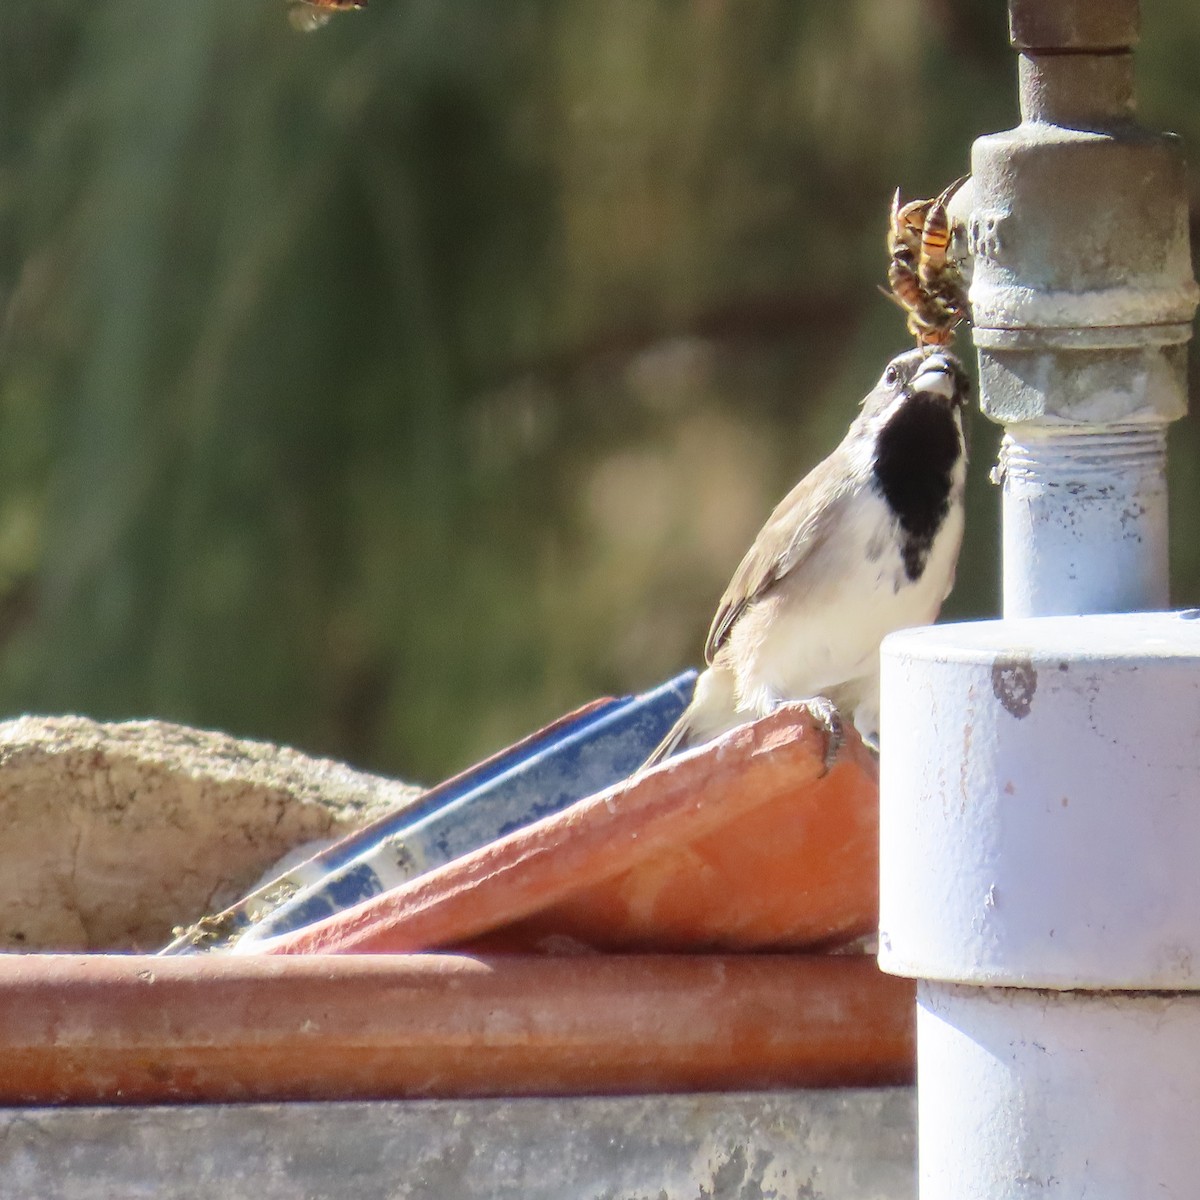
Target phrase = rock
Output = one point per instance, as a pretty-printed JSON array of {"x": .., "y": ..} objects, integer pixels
[{"x": 115, "y": 833}]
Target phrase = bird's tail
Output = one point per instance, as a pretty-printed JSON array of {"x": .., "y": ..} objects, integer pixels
[
  {"x": 712, "y": 711},
  {"x": 675, "y": 738}
]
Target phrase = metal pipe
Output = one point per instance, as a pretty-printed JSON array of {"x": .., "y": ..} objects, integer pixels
[
  {"x": 1082, "y": 296},
  {"x": 1038, "y": 822},
  {"x": 1085, "y": 516},
  {"x": 214, "y": 1028}
]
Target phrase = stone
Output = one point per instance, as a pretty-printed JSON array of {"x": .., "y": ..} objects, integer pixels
[{"x": 116, "y": 833}]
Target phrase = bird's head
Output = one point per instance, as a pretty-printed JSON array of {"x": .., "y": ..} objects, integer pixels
[{"x": 927, "y": 374}]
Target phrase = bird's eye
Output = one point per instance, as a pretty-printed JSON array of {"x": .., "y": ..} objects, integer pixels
[{"x": 891, "y": 375}]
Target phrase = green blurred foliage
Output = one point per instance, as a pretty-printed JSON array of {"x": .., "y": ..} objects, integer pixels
[{"x": 389, "y": 390}]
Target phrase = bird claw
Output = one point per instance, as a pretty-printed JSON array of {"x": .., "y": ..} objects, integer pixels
[{"x": 827, "y": 713}]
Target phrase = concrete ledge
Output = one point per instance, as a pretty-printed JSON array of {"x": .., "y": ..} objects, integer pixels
[{"x": 839, "y": 1145}]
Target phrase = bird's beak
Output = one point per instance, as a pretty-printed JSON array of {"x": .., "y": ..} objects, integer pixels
[{"x": 936, "y": 377}]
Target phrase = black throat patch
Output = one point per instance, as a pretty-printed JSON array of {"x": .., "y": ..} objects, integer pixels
[{"x": 916, "y": 452}]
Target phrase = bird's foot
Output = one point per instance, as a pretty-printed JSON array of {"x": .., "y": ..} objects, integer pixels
[{"x": 827, "y": 713}]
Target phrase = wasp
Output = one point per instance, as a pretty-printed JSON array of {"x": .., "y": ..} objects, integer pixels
[
  {"x": 922, "y": 278},
  {"x": 307, "y": 15}
]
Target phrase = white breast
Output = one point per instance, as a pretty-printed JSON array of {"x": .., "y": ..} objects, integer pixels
[{"x": 819, "y": 629}]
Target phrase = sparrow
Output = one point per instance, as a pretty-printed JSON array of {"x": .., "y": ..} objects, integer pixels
[{"x": 865, "y": 544}]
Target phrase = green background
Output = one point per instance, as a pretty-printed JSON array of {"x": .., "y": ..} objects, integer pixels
[{"x": 389, "y": 390}]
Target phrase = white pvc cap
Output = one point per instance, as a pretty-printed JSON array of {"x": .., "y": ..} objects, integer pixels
[{"x": 1040, "y": 795}]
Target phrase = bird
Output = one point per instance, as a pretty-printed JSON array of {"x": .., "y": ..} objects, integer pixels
[{"x": 865, "y": 544}]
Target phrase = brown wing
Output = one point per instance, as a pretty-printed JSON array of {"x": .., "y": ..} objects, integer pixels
[{"x": 793, "y": 531}]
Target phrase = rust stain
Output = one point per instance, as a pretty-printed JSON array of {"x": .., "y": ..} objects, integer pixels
[{"x": 1014, "y": 682}]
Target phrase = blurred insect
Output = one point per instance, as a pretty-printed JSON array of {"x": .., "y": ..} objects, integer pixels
[
  {"x": 307, "y": 15},
  {"x": 924, "y": 280}
]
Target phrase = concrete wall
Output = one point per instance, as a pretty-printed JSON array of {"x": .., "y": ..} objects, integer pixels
[{"x": 803, "y": 1145}]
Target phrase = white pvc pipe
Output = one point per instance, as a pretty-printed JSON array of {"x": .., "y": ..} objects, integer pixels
[
  {"x": 1040, "y": 829},
  {"x": 1085, "y": 519},
  {"x": 1027, "y": 1094}
]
